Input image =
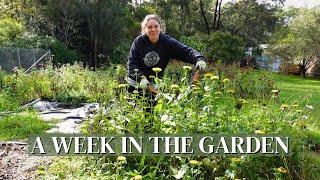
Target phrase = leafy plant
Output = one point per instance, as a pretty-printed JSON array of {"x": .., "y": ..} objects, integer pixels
[{"x": 20, "y": 126}]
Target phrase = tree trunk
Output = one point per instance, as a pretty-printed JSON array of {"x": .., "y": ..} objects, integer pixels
[
  {"x": 215, "y": 16},
  {"x": 303, "y": 70},
  {"x": 204, "y": 18},
  {"x": 219, "y": 16},
  {"x": 95, "y": 53}
]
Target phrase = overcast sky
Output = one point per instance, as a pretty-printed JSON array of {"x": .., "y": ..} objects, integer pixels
[{"x": 295, "y": 3}]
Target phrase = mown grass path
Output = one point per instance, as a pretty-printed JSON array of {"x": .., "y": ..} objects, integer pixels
[{"x": 296, "y": 88}]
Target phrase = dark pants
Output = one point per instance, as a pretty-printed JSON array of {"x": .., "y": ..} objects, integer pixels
[{"x": 151, "y": 102}]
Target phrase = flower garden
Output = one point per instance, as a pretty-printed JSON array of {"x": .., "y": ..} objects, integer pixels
[{"x": 225, "y": 100}]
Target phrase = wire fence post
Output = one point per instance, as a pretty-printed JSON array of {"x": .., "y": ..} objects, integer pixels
[
  {"x": 18, "y": 52},
  {"x": 50, "y": 56},
  {"x": 23, "y": 58},
  {"x": 34, "y": 58}
]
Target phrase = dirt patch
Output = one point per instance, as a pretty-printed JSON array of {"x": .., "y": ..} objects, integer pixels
[{"x": 15, "y": 163}]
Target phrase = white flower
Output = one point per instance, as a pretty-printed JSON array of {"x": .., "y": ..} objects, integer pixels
[
  {"x": 165, "y": 118},
  {"x": 309, "y": 106},
  {"x": 207, "y": 88},
  {"x": 207, "y": 108}
]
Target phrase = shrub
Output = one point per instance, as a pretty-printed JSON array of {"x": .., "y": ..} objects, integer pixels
[
  {"x": 9, "y": 29},
  {"x": 7, "y": 102},
  {"x": 224, "y": 46},
  {"x": 218, "y": 46},
  {"x": 119, "y": 53},
  {"x": 195, "y": 42}
]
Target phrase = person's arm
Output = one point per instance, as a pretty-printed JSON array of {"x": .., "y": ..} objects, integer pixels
[
  {"x": 135, "y": 75},
  {"x": 186, "y": 54},
  {"x": 134, "y": 67}
]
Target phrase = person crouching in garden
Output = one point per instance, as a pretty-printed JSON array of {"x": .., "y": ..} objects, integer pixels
[{"x": 154, "y": 49}]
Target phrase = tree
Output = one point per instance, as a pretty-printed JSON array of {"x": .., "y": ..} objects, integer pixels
[
  {"x": 105, "y": 25},
  {"x": 224, "y": 46},
  {"x": 65, "y": 17},
  {"x": 299, "y": 42},
  {"x": 252, "y": 21},
  {"x": 9, "y": 29}
]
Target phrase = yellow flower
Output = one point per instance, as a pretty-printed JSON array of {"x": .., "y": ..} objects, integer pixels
[
  {"x": 174, "y": 86},
  {"x": 236, "y": 160},
  {"x": 295, "y": 105},
  {"x": 259, "y": 132},
  {"x": 187, "y": 68},
  {"x": 121, "y": 158},
  {"x": 217, "y": 93},
  {"x": 208, "y": 75},
  {"x": 195, "y": 162},
  {"x": 196, "y": 88},
  {"x": 282, "y": 169},
  {"x": 215, "y": 78},
  {"x": 151, "y": 76},
  {"x": 226, "y": 80},
  {"x": 122, "y": 85},
  {"x": 284, "y": 106},
  {"x": 137, "y": 177},
  {"x": 231, "y": 91},
  {"x": 156, "y": 69},
  {"x": 243, "y": 101}
]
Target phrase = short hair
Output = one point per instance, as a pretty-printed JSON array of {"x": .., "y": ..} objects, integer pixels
[{"x": 155, "y": 17}]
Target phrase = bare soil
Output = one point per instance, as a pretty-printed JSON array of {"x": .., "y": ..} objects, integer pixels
[{"x": 15, "y": 163}]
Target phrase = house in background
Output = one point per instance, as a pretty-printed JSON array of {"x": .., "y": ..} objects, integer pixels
[
  {"x": 272, "y": 63},
  {"x": 264, "y": 61}
]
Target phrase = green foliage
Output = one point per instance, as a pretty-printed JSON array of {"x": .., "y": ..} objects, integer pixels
[
  {"x": 9, "y": 29},
  {"x": 61, "y": 53},
  {"x": 105, "y": 25},
  {"x": 208, "y": 107},
  {"x": 232, "y": 102},
  {"x": 224, "y": 46},
  {"x": 248, "y": 84},
  {"x": 299, "y": 41},
  {"x": 69, "y": 84},
  {"x": 7, "y": 102},
  {"x": 217, "y": 46},
  {"x": 20, "y": 126},
  {"x": 119, "y": 52},
  {"x": 195, "y": 42},
  {"x": 250, "y": 20}
]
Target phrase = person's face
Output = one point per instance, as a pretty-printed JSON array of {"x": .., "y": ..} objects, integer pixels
[{"x": 152, "y": 30}]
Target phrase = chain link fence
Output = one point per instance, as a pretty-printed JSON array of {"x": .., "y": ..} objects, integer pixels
[{"x": 22, "y": 58}]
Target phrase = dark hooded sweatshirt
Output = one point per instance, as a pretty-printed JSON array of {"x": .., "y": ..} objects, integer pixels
[{"x": 145, "y": 55}]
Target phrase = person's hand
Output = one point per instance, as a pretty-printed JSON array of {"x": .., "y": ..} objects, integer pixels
[
  {"x": 144, "y": 83},
  {"x": 201, "y": 65},
  {"x": 152, "y": 89}
]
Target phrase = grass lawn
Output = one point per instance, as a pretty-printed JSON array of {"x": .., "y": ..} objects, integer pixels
[
  {"x": 295, "y": 88},
  {"x": 20, "y": 126}
]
